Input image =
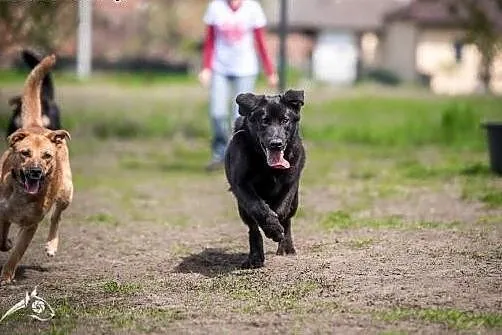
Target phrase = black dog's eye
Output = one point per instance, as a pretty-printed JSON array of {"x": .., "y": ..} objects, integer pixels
[
  {"x": 265, "y": 121},
  {"x": 26, "y": 153},
  {"x": 46, "y": 155},
  {"x": 284, "y": 120}
]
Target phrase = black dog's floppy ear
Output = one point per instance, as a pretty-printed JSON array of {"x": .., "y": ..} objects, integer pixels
[
  {"x": 247, "y": 102},
  {"x": 294, "y": 98}
]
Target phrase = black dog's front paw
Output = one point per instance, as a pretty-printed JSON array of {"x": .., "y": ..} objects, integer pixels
[
  {"x": 285, "y": 247},
  {"x": 273, "y": 229},
  {"x": 7, "y": 245},
  {"x": 253, "y": 262}
]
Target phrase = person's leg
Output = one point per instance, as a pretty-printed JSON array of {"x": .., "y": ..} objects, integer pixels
[
  {"x": 218, "y": 113},
  {"x": 241, "y": 85}
]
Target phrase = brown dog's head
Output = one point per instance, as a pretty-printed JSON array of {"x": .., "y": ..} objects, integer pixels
[{"x": 34, "y": 156}]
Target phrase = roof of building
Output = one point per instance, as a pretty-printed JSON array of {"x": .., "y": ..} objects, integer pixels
[
  {"x": 360, "y": 15},
  {"x": 442, "y": 12}
]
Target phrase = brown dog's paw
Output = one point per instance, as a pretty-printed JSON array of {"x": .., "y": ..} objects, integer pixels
[
  {"x": 50, "y": 249},
  {"x": 7, "y": 280},
  {"x": 7, "y": 245}
]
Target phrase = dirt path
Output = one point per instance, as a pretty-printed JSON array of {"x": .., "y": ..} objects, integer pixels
[{"x": 149, "y": 249}]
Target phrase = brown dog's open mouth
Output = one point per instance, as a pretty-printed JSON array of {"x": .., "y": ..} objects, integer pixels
[
  {"x": 275, "y": 159},
  {"x": 31, "y": 185}
]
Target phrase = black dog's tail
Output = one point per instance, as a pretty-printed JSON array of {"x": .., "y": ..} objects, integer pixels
[{"x": 32, "y": 60}]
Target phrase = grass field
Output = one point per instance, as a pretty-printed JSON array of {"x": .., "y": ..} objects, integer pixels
[{"x": 399, "y": 229}]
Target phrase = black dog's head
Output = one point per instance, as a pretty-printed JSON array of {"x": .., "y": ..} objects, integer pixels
[{"x": 272, "y": 122}]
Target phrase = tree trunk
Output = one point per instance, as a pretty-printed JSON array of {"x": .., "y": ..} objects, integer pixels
[{"x": 485, "y": 73}]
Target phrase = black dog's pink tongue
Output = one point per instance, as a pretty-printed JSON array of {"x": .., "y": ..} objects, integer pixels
[
  {"x": 275, "y": 159},
  {"x": 31, "y": 186}
]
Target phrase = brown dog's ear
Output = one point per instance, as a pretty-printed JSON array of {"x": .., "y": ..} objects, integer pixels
[
  {"x": 294, "y": 98},
  {"x": 57, "y": 136},
  {"x": 16, "y": 137},
  {"x": 247, "y": 102}
]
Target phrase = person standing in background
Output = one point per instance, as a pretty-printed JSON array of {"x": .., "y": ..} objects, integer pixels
[{"x": 235, "y": 32}]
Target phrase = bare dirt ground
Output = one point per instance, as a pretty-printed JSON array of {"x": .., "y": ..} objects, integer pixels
[
  {"x": 148, "y": 249},
  {"x": 152, "y": 244}
]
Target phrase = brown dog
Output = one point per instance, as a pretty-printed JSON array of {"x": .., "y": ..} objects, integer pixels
[{"x": 36, "y": 176}]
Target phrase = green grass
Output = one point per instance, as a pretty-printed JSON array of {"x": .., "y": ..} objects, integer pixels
[
  {"x": 453, "y": 318},
  {"x": 103, "y": 219},
  {"x": 403, "y": 122},
  {"x": 65, "y": 320},
  {"x": 399, "y": 121},
  {"x": 482, "y": 189},
  {"x": 254, "y": 297},
  {"x": 137, "y": 79},
  {"x": 340, "y": 220},
  {"x": 111, "y": 317},
  {"x": 361, "y": 243},
  {"x": 114, "y": 287}
]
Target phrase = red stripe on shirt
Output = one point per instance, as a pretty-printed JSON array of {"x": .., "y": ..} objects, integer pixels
[
  {"x": 207, "y": 58},
  {"x": 259, "y": 36}
]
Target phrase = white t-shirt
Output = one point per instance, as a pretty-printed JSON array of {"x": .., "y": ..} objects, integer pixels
[{"x": 234, "y": 47}]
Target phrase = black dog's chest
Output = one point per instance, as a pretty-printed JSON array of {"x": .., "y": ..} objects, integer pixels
[{"x": 268, "y": 186}]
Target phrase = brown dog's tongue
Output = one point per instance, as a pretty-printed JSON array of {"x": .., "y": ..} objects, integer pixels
[
  {"x": 31, "y": 186},
  {"x": 275, "y": 159}
]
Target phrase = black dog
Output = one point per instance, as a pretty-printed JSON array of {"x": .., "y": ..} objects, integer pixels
[
  {"x": 263, "y": 163},
  {"x": 50, "y": 110}
]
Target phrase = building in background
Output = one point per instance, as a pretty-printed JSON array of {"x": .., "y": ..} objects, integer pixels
[
  {"x": 334, "y": 40},
  {"x": 424, "y": 40}
]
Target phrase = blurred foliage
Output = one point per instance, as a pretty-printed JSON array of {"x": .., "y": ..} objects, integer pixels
[
  {"x": 483, "y": 24},
  {"x": 381, "y": 76},
  {"x": 32, "y": 23},
  {"x": 167, "y": 29}
]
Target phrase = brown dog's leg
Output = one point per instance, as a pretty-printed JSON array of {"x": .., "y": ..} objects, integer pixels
[
  {"x": 23, "y": 240},
  {"x": 5, "y": 242},
  {"x": 51, "y": 247}
]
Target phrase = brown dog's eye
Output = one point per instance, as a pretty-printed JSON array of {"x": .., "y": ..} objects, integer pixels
[
  {"x": 26, "y": 153},
  {"x": 46, "y": 155}
]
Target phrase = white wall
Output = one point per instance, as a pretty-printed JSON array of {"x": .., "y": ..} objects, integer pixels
[
  {"x": 334, "y": 57},
  {"x": 399, "y": 47}
]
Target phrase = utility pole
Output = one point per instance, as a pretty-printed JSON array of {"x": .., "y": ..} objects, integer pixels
[
  {"x": 84, "y": 47},
  {"x": 283, "y": 33}
]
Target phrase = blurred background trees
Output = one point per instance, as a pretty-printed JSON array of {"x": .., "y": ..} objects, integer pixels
[
  {"x": 33, "y": 23},
  {"x": 483, "y": 28}
]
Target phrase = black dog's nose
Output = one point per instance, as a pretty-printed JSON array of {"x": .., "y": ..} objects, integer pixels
[
  {"x": 276, "y": 144},
  {"x": 35, "y": 173}
]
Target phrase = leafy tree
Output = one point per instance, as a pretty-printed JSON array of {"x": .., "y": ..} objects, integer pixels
[
  {"x": 41, "y": 23},
  {"x": 482, "y": 20}
]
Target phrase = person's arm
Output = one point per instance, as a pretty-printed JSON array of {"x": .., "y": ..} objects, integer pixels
[
  {"x": 207, "y": 56},
  {"x": 259, "y": 36},
  {"x": 262, "y": 50}
]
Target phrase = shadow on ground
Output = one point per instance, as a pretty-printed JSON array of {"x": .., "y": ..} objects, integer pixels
[
  {"x": 23, "y": 269},
  {"x": 211, "y": 262}
]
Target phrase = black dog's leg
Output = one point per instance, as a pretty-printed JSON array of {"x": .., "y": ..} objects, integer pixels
[
  {"x": 256, "y": 257},
  {"x": 259, "y": 212},
  {"x": 286, "y": 245},
  {"x": 286, "y": 213}
]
